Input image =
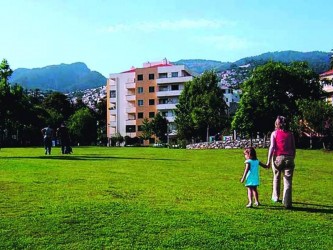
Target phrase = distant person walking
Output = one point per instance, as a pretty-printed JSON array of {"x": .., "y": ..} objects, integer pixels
[
  {"x": 281, "y": 154},
  {"x": 47, "y": 133},
  {"x": 63, "y": 136},
  {"x": 251, "y": 176}
]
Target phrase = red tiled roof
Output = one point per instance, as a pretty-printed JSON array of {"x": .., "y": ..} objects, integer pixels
[
  {"x": 130, "y": 70},
  {"x": 161, "y": 65},
  {"x": 153, "y": 66},
  {"x": 327, "y": 73}
]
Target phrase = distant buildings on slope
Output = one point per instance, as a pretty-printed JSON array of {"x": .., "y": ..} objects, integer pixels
[{"x": 90, "y": 97}]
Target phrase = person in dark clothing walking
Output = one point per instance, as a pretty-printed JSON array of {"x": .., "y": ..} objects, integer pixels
[
  {"x": 47, "y": 133},
  {"x": 63, "y": 136}
]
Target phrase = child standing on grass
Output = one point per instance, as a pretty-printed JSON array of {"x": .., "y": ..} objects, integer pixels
[{"x": 251, "y": 175}]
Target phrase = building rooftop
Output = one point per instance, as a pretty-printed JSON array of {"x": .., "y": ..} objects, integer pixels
[{"x": 327, "y": 73}]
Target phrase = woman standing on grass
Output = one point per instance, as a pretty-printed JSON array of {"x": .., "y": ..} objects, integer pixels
[
  {"x": 251, "y": 175},
  {"x": 281, "y": 154}
]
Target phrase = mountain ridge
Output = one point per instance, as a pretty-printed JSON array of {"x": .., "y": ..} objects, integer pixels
[
  {"x": 77, "y": 76},
  {"x": 62, "y": 77},
  {"x": 319, "y": 61}
]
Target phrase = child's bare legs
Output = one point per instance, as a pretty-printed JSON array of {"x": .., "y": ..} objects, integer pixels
[
  {"x": 255, "y": 195},
  {"x": 252, "y": 192},
  {"x": 249, "y": 196}
]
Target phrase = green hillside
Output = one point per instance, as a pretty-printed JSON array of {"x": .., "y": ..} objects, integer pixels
[
  {"x": 63, "y": 77},
  {"x": 318, "y": 61}
]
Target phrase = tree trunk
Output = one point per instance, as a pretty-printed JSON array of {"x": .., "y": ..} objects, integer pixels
[{"x": 207, "y": 134}]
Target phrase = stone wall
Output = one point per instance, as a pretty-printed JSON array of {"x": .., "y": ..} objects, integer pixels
[{"x": 229, "y": 144}]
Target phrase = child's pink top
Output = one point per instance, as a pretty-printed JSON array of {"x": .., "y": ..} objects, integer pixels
[{"x": 284, "y": 143}]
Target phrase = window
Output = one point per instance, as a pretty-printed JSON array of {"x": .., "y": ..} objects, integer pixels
[
  {"x": 151, "y": 76},
  {"x": 140, "y": 90},
  {"x": 163, "y": 75},
  {"x": 112, "y": 94},
  {"x": 151, "y": 89},
  {"x": 151, "y": 114},
  {"x": 175, "y": 87},
  {"x": 140, "y": 102},
  {"x": 130, "y": 128},
  {"x": 140, "y": 77},
  {"x": 174, "y": 74},
  {"x": 163, "y": 101},
  {"x": 151, "y": 101},
  {"x": 140, "y": 115}
]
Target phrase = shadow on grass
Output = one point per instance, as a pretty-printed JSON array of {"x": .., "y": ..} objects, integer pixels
[
  {"x": 89, "y": 157},
  {"x": 304, "y": 207}
]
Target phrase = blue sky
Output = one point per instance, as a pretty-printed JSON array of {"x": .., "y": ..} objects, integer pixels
[{"x": 110, "y": 36}]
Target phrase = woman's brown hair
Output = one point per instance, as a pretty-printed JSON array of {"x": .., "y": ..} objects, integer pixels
[{"x": 282, "y": 123}]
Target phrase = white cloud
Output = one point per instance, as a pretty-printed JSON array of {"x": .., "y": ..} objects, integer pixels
[
  {"x": 183, "y": 24},
  {"x": 226, "y": 42}
]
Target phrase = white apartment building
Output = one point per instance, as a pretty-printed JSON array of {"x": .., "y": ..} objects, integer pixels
[
  {"x": 230, "y": 95},
  {"x": 142, "y": 92}
]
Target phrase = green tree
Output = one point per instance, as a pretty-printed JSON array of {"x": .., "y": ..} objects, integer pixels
[
  {"x": 58, "y": 107},
  {"x": 201, "y": 109},
  {"x": 18, "y": 114},
  {"x": 159, "y": 127},
  {"x": 272, "y": 90},
  {"x": 100, "y": 113},
  {"x": 314, "y": 113},
  {"x": 82, "y": 127},
  {"x": 79, "y": 104},
  {"x": 147, "y": 130},
  {"x": 5, "y": 73},
  {"x": 117, "y": 139}
]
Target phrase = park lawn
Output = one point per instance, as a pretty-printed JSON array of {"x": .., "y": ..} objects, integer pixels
[{"x": 149, "y": 198}]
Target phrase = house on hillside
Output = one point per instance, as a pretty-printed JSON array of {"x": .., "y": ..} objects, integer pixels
[
  {"x": 231, "y": 97},
  {"x": 326, "y": 79},
  {"x": 142, "y": 92}
]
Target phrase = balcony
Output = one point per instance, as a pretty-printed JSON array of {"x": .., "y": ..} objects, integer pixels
[
  {"x": 131, "y": 109},
  {"x": 166, "y": 93},
  {"x": 113, "y": 124},
  {"x": 130, "y": 85},
  {"x": 173, "y": 79},
  {"x": 112, "y": 83},
  {"x": 166, "y": 106},
  {"x": 130, "y": 122},
  {"x": 130, "y": 97}
]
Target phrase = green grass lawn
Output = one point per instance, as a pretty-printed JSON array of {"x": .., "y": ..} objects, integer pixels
[{"x": 148, "y": 198}]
